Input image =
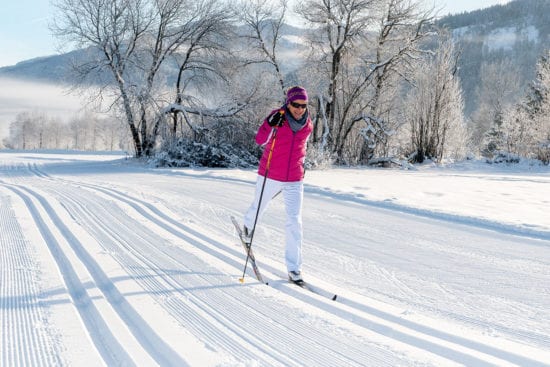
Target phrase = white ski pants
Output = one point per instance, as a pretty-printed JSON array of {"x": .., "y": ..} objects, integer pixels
[{"x": 293, "y": 194}]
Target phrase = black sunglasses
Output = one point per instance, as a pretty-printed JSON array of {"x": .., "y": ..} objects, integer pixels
[{"x": 298, "y": 105}]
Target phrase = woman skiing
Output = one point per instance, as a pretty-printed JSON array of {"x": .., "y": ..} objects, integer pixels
[{"x": 283, "y": 134}]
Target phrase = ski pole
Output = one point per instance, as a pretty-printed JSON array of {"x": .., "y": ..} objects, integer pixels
[{"x": 259, "y": 201}]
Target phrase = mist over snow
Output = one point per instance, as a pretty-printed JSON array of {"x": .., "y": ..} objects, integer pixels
[{"x": 18, "y": 96}]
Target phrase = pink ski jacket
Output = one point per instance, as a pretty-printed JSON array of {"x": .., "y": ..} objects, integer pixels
[{"x": 289, "y": 151}]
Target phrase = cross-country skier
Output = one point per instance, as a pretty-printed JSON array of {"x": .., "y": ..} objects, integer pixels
[{"x": 283, "y": 134}]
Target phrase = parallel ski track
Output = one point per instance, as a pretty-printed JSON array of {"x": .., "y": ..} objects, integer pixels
[
  {"x": 160, "y": 273},
  {"x": 311, "y": 344},
  {"x": 175, "y": 287},
  {"x": 112, "y": 352},
  {"x": 431, "y": 333},
  {"x": 26, "y": 334},
  {"x": 105, "y": 342},
  {"x": 153, "y": 214}
]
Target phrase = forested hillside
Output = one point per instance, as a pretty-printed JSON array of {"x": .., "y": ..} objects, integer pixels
[{"x": 511, "y": 37}]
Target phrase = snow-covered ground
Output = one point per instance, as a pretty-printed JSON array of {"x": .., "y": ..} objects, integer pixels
[{"x": 106, "y": 261}]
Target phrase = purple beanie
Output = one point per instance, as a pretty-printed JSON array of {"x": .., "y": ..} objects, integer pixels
[{"x": 295, "y": 93}]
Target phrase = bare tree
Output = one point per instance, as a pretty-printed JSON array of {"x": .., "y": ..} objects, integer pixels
[
  {"x": 403, "y": 26},
  {"x": 131, "y": 40},
  {"x": 434, "y": 107},
  {"x": 28, "y": 131},
  {"x": 21, "y": 132},
  {"x": 363, "y": 46},
  {"x": 112, "y": 30},
  {"x": 198, "y": 58},
  {"x": 56, "y": 134},
  {"x": 337, "y": 25},
  {"x": 526, "y": 129},
  {"x": 496, "y": 94},
  {"x": 265, "y": 19}
]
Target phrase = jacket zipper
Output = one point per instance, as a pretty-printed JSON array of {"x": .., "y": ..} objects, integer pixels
[{"x": 290, "y": 155}]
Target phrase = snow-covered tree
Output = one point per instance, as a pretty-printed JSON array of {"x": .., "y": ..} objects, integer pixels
[
  {"x": 434, "y": 108},
  {"x": 496, "y": 93},
  {"x": 28, "y": 131},
  {"x": 201, "y": 61},
  {"x": 264, "y": 20},
  {"x": 132, "y": 40},
  {"x": 527, "y": 128},
  {"x": 360, "y": 48}
]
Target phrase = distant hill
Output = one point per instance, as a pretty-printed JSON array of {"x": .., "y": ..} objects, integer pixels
[
  {"x": 54, "y": 69},
  {"x": 518, "y": 31},
  {"x": 57, "y": 69}
]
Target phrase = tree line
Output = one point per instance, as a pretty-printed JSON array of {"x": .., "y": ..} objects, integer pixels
[
  {"x": 86, "y": 131},
  {"x": 383, "y": 79},
  {"x": 520, "y": 129}
]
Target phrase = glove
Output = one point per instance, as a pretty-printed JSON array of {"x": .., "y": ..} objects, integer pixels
[{"x": 277, "y": 119}]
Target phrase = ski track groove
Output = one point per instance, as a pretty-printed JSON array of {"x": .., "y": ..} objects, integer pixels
[
  {"x": 174, "y": 290},
  {"x": 30, "y": 340},
  {"x": 443, "y": 351},
  {"x": 106, "y": 344},
  {"x": 154, "y": 280},
  {"x": 452, "y": 354},
  {"x": 204, "y": 305},
  {"x": 205, "y": 241},
  {"x": 99, "y": 331},
  {"x": 336, "y": 350}
]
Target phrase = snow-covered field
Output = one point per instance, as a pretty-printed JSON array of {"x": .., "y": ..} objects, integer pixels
[{"x": 104, "y": 261}]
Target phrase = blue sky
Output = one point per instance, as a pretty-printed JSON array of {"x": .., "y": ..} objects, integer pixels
[{"x": 24, "y": 32}]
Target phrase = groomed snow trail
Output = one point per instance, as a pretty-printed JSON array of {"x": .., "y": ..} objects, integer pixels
[{"x": 104, "y": 262}]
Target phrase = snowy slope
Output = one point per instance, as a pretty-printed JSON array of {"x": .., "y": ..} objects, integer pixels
[{"x": 105, "y": 261}]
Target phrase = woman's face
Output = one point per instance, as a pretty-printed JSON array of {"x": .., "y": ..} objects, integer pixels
[{"x": 297, "y": 108}]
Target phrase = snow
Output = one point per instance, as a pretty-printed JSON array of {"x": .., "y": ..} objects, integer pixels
[
  {"x": 501, "y": 38},
  {"x": 19, "y": 96},
  {"x": 106, "y": 261},
  {"x": 505, "y": 38}
]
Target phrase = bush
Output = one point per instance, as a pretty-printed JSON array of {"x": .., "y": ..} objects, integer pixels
[
  {"x": 504, "y": 157},
  {"x": 543, "y": 152},
  {"x": 187, "y": 153},
  {"x": 319, "y": 159}
]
